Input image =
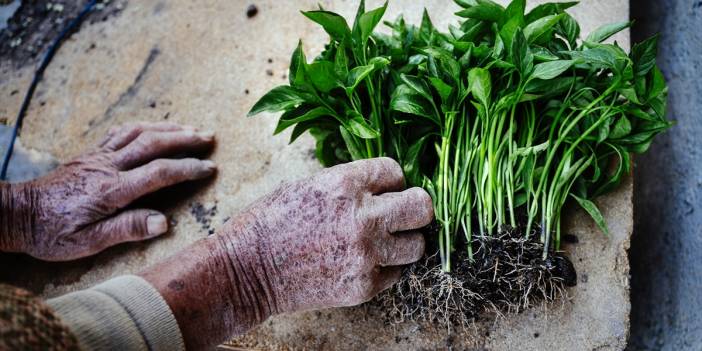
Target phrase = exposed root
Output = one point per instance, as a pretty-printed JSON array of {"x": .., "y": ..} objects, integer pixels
[{"x": 507, "y": 275}]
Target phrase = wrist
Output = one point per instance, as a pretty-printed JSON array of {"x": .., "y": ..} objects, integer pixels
[
  {"x": 213, "y": 293},
  {"x": 18, "y": 202},
  {"x": 254, "y": 272}
]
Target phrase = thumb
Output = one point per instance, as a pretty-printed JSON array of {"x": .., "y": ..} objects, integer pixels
[{"x": 127, "y": 226}]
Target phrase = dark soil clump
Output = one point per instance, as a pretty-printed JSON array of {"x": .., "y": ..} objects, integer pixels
[{"x": 507, "y": 275}]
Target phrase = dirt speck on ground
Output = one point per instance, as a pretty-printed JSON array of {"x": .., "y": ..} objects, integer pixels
[
  {"x": 251, "y": 11},
  {"x": 203, "y": 216}
]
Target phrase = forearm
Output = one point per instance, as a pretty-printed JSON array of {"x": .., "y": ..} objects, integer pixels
[
  {"x": 17, "y": 201},
  {"x": 212, "y": 294}
]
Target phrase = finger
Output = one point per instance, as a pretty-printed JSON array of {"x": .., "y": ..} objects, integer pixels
[
  {"x": 402, "y": 211},
  {"x": 377, "y": 175},
  {"x": 150, "y": 145},
  {"x": 401, "y": 248},
  {"x": 387, "y": 277},
  {"x": 128, "y": 226},
  {"x": 120, "y": 136},
  {"x": 157, "y": 175}
]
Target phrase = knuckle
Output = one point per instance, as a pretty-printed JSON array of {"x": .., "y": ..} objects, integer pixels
[
  {"x": 159, "y": 168},
  {"x": 342, "y": 182},
  {"x": 190, "y": 135},
  {"x": 148, "y": 138}
]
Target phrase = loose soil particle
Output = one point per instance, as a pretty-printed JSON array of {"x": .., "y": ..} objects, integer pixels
[{"x": 251, "y": 11}]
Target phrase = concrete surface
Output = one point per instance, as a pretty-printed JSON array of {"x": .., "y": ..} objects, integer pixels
[
  {"x": 205, "y": 64},
  {"x": 666, "y": 252},
  {"x": 25, "y": 164}
]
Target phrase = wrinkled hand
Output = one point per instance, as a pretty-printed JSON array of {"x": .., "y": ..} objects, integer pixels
[
  {"x": 76, "y": 210},
  {"x": 335, "y": 239}
]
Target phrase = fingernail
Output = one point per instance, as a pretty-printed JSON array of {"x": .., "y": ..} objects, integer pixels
[
  {"x": 208, "y": 168},
  {"x": 156, "y": 224},
  {"x": 207, "y": 134},
  {"x": 209, "y": 164}
]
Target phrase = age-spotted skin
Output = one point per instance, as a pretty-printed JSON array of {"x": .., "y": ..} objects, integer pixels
[
  {"x": 335, "y": 239},
  {"x": 76, "y": 210}
]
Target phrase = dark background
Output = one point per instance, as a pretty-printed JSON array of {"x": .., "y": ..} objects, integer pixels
[{"x": 666, "y": 248}]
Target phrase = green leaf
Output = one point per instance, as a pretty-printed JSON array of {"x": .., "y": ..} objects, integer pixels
[
  {"x": 298, "y": 115},
  {"x": 536, "y": 29},
  {"x": 405, "y": 99},
  {"x": 351, "y": 144},
  {"x": 444, "y": 90},
  {"x": 621, "y": 129},
  {"x": 324, "y": 148},
  {"x": 358, "y": 74},
  {"x": 550, "y": 87},
  {"x": 571, "y": 29},
  {"x": 281, "y": 98},
  {"x": 359, "y": 127},
  {"x": 515, "y": 12},
  {"x": 411, "y": 161},
  {"x": 465, "y": 3},
  {"x": 356, "y": 23},
  {"x": 296, "y": 75},
  {"x": 418, "y": 85},
  {"x": 333, "y": 24},
  {"x": 426, "y": 29},
  {"x": 644, "y": 56},
  {"x": 630, "y": 94},
  {"x": 369, "y": 20},
  {"x": 341, "y": 61},
  {"x": 509, "y": 29},
  {"x": 551, "y": 69},
  {"x": 605, "y": 32},
  {"x": 594, "y": 212},
  {"x": 600, "y": 56},
  {"x": 543, "y": 54},
  {"x": 302, "y": 127},
  {"x": 521, "y": 55},
  {"x": 449, "y": 68},
  {"x": 658, "y": 85},
  {"x": 533, "y": 150},
  {"x": 484, "y": 10},
  {"x": 547, "y": 9},
  {"x": 480, "y": 85},
  {"x": 323, "y": 76}
]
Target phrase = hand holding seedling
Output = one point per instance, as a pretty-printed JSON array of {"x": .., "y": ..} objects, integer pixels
[
  {"x": 335, "y": 239},
  {"x": 76, "y": 210}
]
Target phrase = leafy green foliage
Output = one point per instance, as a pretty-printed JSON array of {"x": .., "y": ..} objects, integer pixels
[{"x": 505, "y": 116}]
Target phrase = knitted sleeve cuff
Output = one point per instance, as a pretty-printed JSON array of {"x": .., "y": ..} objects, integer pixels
[{"x": 124, "y": 313}]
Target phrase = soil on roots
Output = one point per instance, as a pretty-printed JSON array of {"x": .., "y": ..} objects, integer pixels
[{"x": 507, "y": 275}]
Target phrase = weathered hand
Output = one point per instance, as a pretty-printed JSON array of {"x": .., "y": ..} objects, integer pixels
[
  {"x": 335, "y": 239},
  {"x": 76, "y": 210}
]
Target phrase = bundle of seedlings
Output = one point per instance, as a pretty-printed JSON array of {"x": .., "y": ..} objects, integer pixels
[{"x": 502, "y": 119}]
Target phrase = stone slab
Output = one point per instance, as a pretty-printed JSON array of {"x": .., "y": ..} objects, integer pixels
[{"x": 205, "y": 64}]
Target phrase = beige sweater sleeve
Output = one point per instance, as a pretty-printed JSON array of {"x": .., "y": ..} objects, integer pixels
[{"x": 124, "y": 313}]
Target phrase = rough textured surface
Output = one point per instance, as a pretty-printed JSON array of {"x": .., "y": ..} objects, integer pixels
[
  {"x": 666, "y": 251},
  {"x": 205, "y": 64},
  {"x": 25, "y": 164}
]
